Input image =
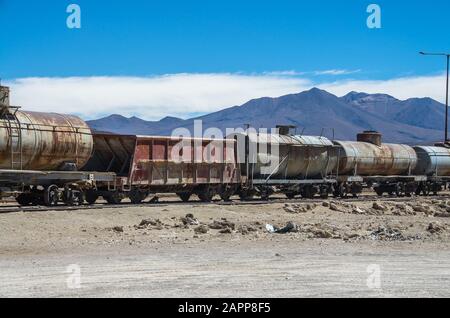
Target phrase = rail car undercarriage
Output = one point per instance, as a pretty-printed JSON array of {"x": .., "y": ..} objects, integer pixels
[{"x": 76, "y": 188}]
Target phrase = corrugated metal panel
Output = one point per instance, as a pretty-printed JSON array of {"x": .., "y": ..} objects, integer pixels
[
  {"x": 289, "y": 139},
  {"x": 288, "y": 157},
  {"x": 314, "y": 140}
]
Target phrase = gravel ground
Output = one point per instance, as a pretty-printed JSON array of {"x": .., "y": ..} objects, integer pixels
[{"x": 330, "y": 249}]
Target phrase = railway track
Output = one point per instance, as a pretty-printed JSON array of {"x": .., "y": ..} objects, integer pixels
[{"x": 14, "y": 208}]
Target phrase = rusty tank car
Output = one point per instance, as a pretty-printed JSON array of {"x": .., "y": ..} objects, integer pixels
[
  {"x": 368, "y": 156},
  {"x": 388, "y": 167},
  {"x": 291, "y": 163},
  {"x": 42, "y": 141},
  {"x": 41, "y": 155}
]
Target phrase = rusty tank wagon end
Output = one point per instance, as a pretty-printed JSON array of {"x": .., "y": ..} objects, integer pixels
[
  {"x": 41, "y": 141},
  {"x": 41, "y": 155}
]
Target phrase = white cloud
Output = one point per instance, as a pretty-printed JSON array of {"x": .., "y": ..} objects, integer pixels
[
  {"x": 401, "y": 88},
  {"x": 148, "y": 97},
  {"x": 184, "y": 94},
  {"x": 285, "y": 73},
  {"x": 336, "y": 72}
]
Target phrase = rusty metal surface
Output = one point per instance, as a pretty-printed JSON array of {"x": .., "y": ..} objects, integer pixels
[
  {"x": 168, "y": 161},
  {"x": 112, "y": 153},
  {"x": 47, "y": 141},
  {"x": 298, "y": 157},
  {"x": 164, "y": 161},
  {"x": 432, "y": 161},
  {"x": 365, "y": 159}
]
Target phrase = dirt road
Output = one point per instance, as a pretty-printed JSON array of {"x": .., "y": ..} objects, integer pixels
[{"x": 336, "y": 250}]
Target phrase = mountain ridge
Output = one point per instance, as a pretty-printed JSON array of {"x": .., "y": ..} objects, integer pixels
[{"x": 316, "y": 112}]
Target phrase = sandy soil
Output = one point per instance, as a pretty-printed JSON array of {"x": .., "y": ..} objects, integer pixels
[{"x": 333, "y": 249}]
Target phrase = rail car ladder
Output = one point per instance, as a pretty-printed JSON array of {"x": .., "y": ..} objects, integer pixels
[{"x": 15, "y": 139}]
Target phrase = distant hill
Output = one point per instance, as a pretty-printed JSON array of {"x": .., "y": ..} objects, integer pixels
[
  {"x": 420, "y": 112},
  {"x": 314, "y": 112}
]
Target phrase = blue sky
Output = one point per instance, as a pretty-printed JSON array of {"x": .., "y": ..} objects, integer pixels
[{"x": 294, "y": 41}]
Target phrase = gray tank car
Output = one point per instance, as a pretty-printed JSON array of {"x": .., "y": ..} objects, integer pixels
[
  {"x": 291, "y": 163},
  {"x": 369, "y": 157},
  {"x": 387, "y": 167},
  {"x": 432, "y": 161}
]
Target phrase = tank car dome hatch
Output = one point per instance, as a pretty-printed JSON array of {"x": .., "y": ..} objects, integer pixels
[
  {"x": 286, "y": 129},
  {"x": 370, "y": 136}
]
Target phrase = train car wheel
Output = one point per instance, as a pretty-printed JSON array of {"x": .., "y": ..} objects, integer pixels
[
  {"x": 184, "y": 196},
  {"x": 51, "y": 195},
  {"x": 379, "y": 191},
  {"x": 24, "y": 199},
  {"x": 113, "y": 198},
  {"x": 245, "y": 197},
  {"x": 206, "y": 197},
  {"x": 91, "y": 196},
  {"x": 324, "y": 195},
  {"x": 308, "y": 192},
  {"x": 137, "y": 196},
  {"x": 77, "y": 198},
  {"x": 73, "y": 197},
  {"x": 226, "y": 196},
  {"x": 418, "y": 190},
  {"x": 206, "y": 193},
  {"x": 246, "y": 194},
  {"x": 226, "y": 192},
  {"x": 324, "y": 192},
  {"x": 290, "y": 195},
  {"x": 340, "y": 191}
]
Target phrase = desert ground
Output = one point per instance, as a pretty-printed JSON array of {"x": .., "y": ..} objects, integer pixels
[{"x": 367, "y": 248}]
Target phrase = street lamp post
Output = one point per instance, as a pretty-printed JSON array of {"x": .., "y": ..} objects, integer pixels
[{"x": 447, "y": 55}]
